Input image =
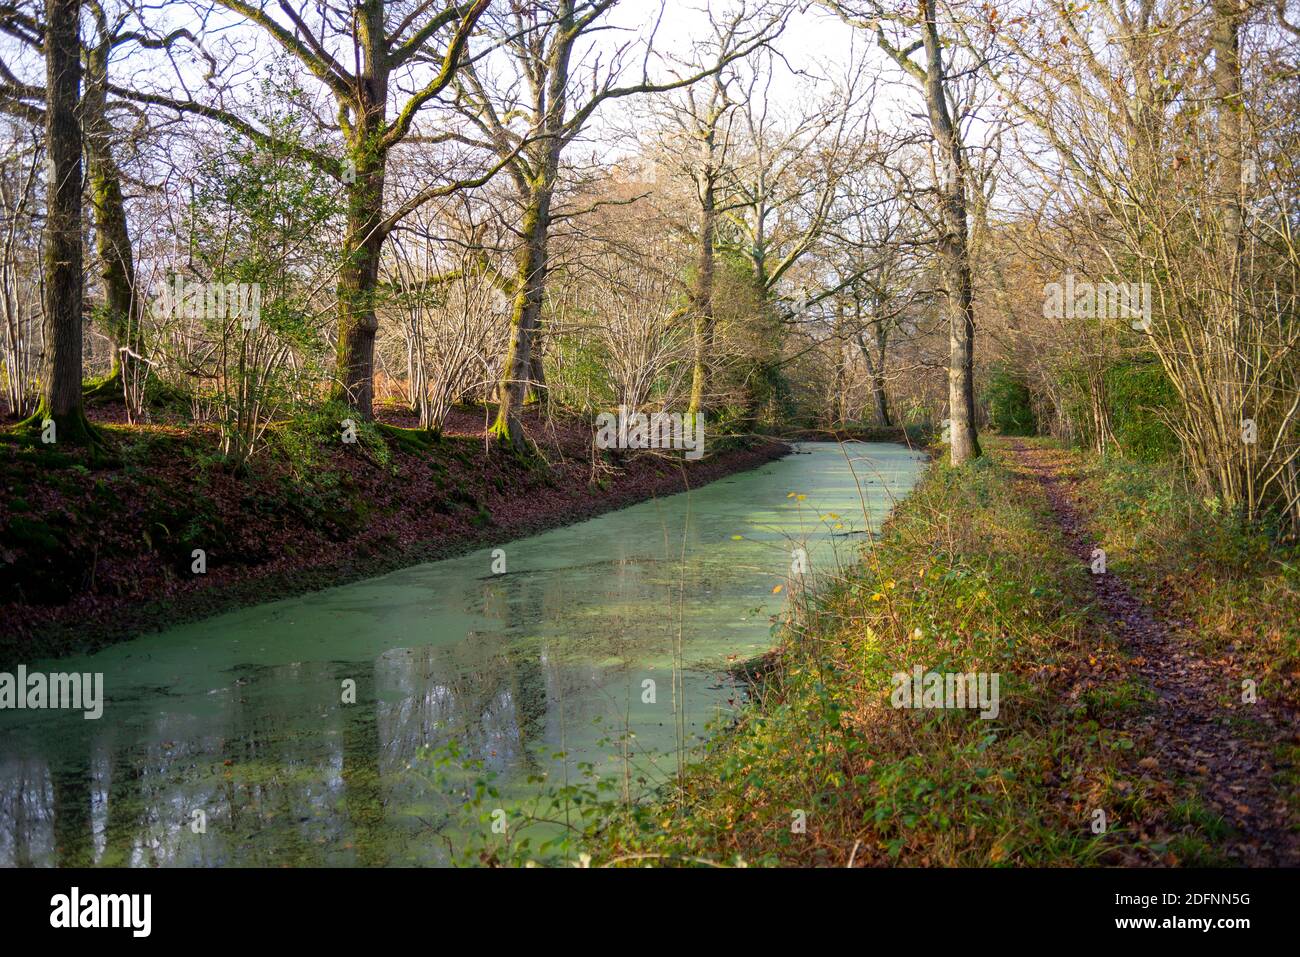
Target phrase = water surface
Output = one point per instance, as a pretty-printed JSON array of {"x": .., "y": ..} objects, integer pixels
[{"x": 603, "y": 645}]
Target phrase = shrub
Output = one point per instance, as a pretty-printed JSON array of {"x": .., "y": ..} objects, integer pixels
[
  {"x": 1010, "y": 409},
  {"x": 1139, "y": 393}
]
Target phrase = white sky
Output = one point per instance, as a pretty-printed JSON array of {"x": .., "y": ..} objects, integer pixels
[{"x": 812, "y": 40}]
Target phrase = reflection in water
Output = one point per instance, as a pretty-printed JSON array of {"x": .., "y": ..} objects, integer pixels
[{"x": 239, "y": 723}]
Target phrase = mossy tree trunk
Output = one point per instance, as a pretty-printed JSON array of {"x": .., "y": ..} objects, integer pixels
[
  {"x": 363, "y": 241},
  {"x": 61, "y": 399},
  {"x": 121, "y": 312},
  {"x": 358, "y": 282},
  {"x": 954, "y": 239},
  {"x": 361, "y": 95},
  {"x": 534, "y": 166},
  {"x": 525, "y": 319},
  {"x": 523, "y": 356}
]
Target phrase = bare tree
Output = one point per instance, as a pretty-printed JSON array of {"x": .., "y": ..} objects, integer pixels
[
  {"x": 385, "y": 46},
  {"x": 19, "y": 270},
  {"x": 696, "y": 132},
  {"x": 1184, "y": 191},
  {"x": 450, "y": 325},
  {"x": 913, "y": 33},
  {"x": 554, "y": 110}
]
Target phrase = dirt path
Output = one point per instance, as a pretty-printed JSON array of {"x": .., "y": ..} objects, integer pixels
[{"x": 1188, "y": 733}]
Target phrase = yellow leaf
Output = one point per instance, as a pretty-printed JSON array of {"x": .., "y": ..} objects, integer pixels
[{"x": 776, "y": 589}]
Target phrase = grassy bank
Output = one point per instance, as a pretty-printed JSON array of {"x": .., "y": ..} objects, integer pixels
[{"x": 971, "y": 575}]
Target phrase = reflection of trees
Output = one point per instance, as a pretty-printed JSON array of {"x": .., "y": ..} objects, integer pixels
[
  {"x": 74, "y": 829},
  {"x": 21, "y": 789},
  {"x": 262, "y": 786},
  {"x": 122, "y": 820},
  {"x": 528, "y": 685},
  {"x": 528, "y": 692},
  {"x": 71, "y": 785},
  {"x": 271, "y": 765},
  {"x": 489, "y": 691},
  {"x": 363, "y": 797}
]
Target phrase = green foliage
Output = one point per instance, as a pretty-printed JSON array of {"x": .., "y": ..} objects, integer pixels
[
  {"x": 1139, "y": 398},
  {"x": 298, "y": 441},
  {"x": 480, "y": 824},
  {"x": 767, "y": 398},
  {"x": 1139, "y": 393},
  {"x": 576, "y": 373},
  {"x": 256, "y": 221},
  {"x": 1010, "y": 408},
  {"x": 727, "y": 420}
]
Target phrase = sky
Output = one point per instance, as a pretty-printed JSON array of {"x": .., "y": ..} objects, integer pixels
[{"x": 813, "y": 41}]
